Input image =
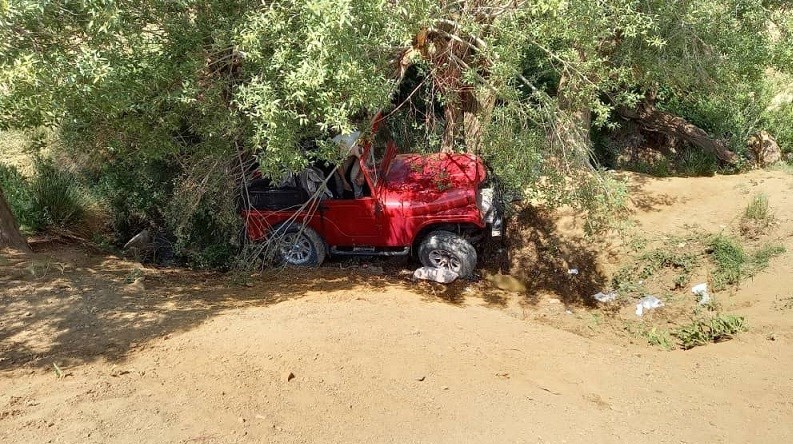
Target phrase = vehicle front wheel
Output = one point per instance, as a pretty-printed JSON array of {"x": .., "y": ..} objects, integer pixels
[
  {"x": 299, "y": 246},
  {"x": 444, "y": 249}
]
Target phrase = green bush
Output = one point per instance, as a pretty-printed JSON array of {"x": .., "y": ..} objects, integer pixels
[
  {"x": 18, "y": 193},
  {"x": 778, "y": 123},
  {"x": 57, "y": 195}
]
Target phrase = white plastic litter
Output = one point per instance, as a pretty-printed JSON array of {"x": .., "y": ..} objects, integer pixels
[
  {"x": 647, "y": 303},
  {"x": 701, "y": 291},
  {"x": 440, "y": 275},
  {"x": 606, "y": 297},
  {"x": 572, "y": 271}
]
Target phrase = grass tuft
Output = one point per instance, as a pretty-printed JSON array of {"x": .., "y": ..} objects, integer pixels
[{"x": 730, "y": 260}]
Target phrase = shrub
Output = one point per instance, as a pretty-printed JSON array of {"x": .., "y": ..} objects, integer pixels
[
  {"x": 57, "y": 195},
  {"x": 706, "y": 330},
  {"x": 19, "y": 195}
]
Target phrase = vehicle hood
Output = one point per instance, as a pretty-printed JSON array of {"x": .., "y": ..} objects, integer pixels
[{"x": 434, "y": 173}]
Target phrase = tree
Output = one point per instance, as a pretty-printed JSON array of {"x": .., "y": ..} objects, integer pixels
[
  {"x": 10, "y": 237},
  {"x": 196, "y": 87}
]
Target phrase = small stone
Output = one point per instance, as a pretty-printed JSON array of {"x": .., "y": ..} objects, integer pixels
[
  {"x": 502, "y": 374},
  {"x": 288, "y": 376},
  {"x": 421, "y": 378},
  {"x": 554, "y": 301},
  {"x": 28, "y": 314},
  {"x": 445, "y": 387},
  {"x": 242, "y": 420}
]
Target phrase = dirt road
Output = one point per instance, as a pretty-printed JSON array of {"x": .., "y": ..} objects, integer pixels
[{"x": 189, "y": 357}]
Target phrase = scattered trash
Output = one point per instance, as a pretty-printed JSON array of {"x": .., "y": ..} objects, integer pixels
[
  {"x": 503, "y": 375},
  {"x": 572, "y": 271},
  {"x": 140, "y": 241},
  {"x": 701, "y": 291},
  {"x": 648, "y": 303},
  {"x": 606, "y": 297},
  {"x": 440, "y": 275}
]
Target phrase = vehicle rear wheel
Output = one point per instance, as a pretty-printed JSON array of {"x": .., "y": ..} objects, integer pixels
[
  {"x": 444, "y": 249},
  {"x": 298, "y": 246}
]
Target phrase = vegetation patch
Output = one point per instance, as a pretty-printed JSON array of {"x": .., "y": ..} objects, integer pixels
[
  {"x": 17, "y": 191},
  {"x": 732, "y": 263},
  {"x": 669, "y": 266},
  {"x": 757, "y": 218},
  {"x": 717, "y": 328}
]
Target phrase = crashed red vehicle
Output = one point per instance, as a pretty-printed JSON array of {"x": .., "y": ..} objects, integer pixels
[{"x": 435, "y": 207}]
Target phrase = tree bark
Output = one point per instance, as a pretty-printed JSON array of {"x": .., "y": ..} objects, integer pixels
[
  {"x": 651, "y": 119},
  {"x": 10, "y": 237},
  {"x": 477, "y": 111}
]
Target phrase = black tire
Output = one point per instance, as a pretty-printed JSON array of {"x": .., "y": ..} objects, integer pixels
[
  {"x": 299, "y": 246},
  {"x": 444, "y": 249}
]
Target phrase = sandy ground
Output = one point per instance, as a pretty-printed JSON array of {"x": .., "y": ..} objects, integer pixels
[{"x": 346, "y": 355}]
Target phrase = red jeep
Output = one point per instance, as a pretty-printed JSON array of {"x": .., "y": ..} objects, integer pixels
[{"x": 434, "y": 206}]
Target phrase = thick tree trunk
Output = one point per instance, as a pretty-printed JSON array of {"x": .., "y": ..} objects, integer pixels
[
  {"x": 662, "y": 122},
  {"x": 10, "y": 237}
]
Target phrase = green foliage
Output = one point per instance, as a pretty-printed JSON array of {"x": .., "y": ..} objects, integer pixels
[
  {"x": 758, "y": 210},
  {"x": 681, "y": 262},
  {"x": 658, "y": 338},
  {"x": 730, "y": 259},
  {"x": 143, "y": 93},
  {"x": 57, "y": 194},
  {"x": 696, "y": 163},
  {"x": 19, "y": 195},
  {"x": 764, "y": 255},
  {"x": 777, "y": 116},
  {"x": 703, "y": 331},
  {"x": 733, "y": 263}
]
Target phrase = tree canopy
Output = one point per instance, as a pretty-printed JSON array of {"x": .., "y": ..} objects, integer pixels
[{"x": 136, "y": 87}]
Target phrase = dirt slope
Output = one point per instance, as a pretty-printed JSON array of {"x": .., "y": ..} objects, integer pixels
[{"x": 186, "y": 357}]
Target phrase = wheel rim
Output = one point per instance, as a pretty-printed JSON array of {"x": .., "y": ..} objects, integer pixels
[
  {"x": 445, "y": 259},
  {"x": 295, "y": 249}
]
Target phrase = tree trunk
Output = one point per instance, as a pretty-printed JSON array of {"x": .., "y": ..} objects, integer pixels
[
  {"x": 9, "y": 230},
  {"x": 477, "y": 112},
  {"x": 661, "y": 122}
]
